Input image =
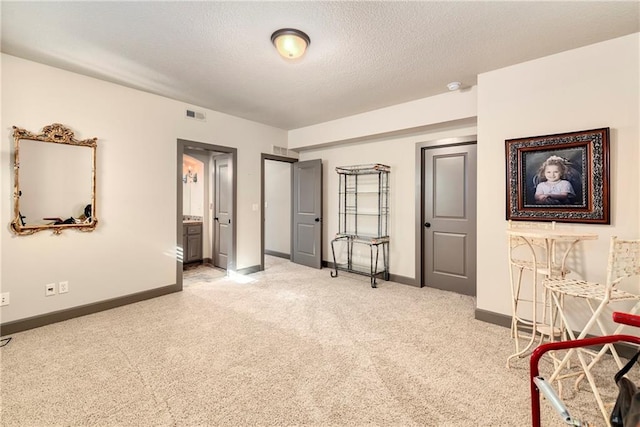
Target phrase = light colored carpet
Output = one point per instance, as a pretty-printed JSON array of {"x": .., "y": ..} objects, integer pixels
[
  {"x": 288, "y": 346},
  {"x": 201, "y": 273}
]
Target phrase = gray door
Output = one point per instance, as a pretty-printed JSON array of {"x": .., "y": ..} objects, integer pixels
[
  {"x": 306, "y": 233},
  {"x": 222, "y": 211},
  {"x": 450, "y": 218}
]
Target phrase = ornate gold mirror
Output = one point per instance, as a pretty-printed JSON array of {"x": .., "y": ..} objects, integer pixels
[{"x": 54, "y": 181}]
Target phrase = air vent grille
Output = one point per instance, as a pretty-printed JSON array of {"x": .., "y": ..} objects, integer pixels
[{"x": 195, "y": 115}]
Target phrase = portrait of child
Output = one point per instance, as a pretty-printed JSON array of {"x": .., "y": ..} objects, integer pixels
[
  {"x": 553, "y": 187},
  {"x": 561, "y": 177}
]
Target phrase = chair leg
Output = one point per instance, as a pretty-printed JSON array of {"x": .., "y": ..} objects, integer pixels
[
  {"x": 608, "y": 347},
  {"x": 595, "y": 314},
  {"x": 559, "y": 302},
  {"x": 526, "y": 349},
  {"x": 515, "y": 295},
  {"x": 594, "y": 388},
  {"x": 515, "y": 319}
]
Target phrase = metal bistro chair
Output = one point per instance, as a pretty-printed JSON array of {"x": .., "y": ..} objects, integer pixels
[
  {"x": 530, "y": 255},
  {"x": 623, "y": 262}
]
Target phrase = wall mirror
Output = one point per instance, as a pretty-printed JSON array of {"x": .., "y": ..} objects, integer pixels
[
  {"x": 193, "y": 187},
  {"x": 54, "y": 181}
]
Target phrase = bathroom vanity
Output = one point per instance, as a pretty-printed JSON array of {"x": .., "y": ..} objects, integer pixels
[{"x": 192, "y": 241}]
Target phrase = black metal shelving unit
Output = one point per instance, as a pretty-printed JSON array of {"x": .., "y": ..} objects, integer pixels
[{"x": 363, "y": 219}]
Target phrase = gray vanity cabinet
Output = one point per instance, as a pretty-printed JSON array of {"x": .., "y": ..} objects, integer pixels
[{"x": 192, "y": 242}]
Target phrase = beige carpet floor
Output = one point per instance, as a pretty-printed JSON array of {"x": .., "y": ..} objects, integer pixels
[{"x": 289, "y": 346}]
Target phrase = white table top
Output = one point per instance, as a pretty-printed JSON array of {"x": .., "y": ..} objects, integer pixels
[{"x": 557, "y": 234}]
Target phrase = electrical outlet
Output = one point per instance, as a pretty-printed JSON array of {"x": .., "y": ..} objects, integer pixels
[
  {"x": 4, "y": 298},
  {"x": 63, "y": 287},
  {"x": 50, "y": 289}
]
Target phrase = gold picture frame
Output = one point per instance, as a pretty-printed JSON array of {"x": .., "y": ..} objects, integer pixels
[{"x": 54, "y": 181}]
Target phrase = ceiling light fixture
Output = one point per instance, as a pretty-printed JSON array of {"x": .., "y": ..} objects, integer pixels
[
  {"x": 290, "y": 43},
  {"x": 454, "y": 85}
]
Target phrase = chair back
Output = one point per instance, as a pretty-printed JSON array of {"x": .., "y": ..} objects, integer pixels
[{"x": 624, "y": 261}]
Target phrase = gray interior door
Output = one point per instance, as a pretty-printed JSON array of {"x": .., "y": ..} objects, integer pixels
[
  {"x": 306, "y": 234},
  {"x": 222, "y": 211},
  {"x": 449, "y": 227}
]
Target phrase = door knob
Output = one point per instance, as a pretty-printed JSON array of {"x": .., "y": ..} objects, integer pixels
[
  {"x": 216, "y": 218},
  {"x": 317, "y": 220},
  {"x": 427, "y": 224}
]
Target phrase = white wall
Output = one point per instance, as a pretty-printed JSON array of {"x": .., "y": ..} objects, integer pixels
[
  {"x": 277, "y": 209},
  {"x": 587, "y": 88},
  {"x": 418, "y": 114},
  {"x": 133, "y": 248},
  {"x": 397, "y": 149},
  {"x": 399, "y": 154}
]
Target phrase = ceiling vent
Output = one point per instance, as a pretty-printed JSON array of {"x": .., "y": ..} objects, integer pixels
[{"x": 196, "y": 115}]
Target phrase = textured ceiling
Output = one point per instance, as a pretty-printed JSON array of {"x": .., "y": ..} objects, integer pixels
[{"x": 363, "y": 55}]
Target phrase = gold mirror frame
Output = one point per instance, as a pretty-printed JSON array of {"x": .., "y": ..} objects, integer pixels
[{"x": 56, "y": 134}]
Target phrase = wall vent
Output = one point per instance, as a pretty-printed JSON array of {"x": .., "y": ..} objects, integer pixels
[
  {"x": 282, "y": 151},
  {"x": 196, "y": 115}
]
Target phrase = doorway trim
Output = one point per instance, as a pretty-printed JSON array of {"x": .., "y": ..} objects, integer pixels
[
  {"x": 203, "y": 146},
  {"x": 419, "y": 194},
  {"x": 263, "y": 157}
]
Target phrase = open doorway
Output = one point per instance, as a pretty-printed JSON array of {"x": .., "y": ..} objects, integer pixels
[
  {"x": 306, "y": 210},
  {"x": 219, "y": 195},
  {"x": 276, "y": 194}
]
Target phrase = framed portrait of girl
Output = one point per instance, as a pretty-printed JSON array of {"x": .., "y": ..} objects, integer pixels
[{"x": 562, "y": 177}]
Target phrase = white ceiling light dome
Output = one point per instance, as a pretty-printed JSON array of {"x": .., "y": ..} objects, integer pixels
[{"x": 290, "y": 43}]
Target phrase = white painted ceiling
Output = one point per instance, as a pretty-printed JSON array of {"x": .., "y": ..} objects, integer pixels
[{"x": 363, "y": 55}]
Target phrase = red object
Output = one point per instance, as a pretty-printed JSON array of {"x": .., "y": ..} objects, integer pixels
[
  {"x": 623, "y": 318},
  {"x": 626, "y": 319}
]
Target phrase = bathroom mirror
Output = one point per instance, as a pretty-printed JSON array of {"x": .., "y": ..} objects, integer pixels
[{"x": 54, "y": 181}]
